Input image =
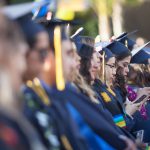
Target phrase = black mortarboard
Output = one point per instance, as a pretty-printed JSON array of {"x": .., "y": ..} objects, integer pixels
[
  {"x": 30, "y": 29},
  {"x": 19, "y": 10},
  {"x": 102, "y": 47},
  {"x": 140, "y": 55},
  {"x": 22, "y": 14},
  {"x": 56, "y": 21},
  {"x": 85, "y": 51},
  {"x": 122, "y": 35},
  {"x": 108, "y": 54},
  {"x": 76, "y": 38},
  {"x": 50, "y": 26},
  {"x": 119, "y": 49},
  {"x": 141, "y": 58},
  {"x": 124, "y": 38},
  {"x": 147, "y": 49},
  {"x": 87, "y": 40},
  {"x": 83, "y": 40},
  {"x": 99, "y": 46}
]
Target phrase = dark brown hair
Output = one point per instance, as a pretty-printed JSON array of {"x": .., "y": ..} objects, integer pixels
[
  {"x": 136, "y": 68},
  {"x": 86, "y": 56},
  {"x": 120, "y": 81}
]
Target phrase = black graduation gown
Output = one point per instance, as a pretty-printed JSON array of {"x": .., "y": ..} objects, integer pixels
[
  {"x": 17, "y": 138},
  {"x": 141, "y": 123},
  {"x": 115, "y": 105},
  {"x": 16, "y": 133},
  {"x": 94, "y": 116},
  {"x": 63, "y": 126}
]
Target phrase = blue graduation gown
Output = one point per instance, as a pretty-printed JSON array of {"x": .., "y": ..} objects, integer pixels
[
  {"x": 93, "y": 140},
  {"x": 58, "y": 125},
  {"x": 96, "y": 118}
]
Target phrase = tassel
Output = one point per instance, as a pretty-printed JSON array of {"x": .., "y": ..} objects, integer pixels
[
  {"x": 103, "y": 71},
  {"x": 60, "y": 83}
]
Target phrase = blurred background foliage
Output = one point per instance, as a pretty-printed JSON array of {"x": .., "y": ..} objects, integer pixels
[{"x": 111, "y": 17}]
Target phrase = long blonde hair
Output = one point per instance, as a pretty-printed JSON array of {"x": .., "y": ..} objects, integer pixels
[{"x": 85, "y": 88}]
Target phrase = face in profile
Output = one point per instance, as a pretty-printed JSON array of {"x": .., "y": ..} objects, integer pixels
[
  {"x": 74, "y": 74},
  {"x": 69, "y": 61},
  {"x": 36, "y": 56},
  {"x": 110, "y": 69},
  {"x": 123, "y": 64},
  {"x": 95, "y": 65}
]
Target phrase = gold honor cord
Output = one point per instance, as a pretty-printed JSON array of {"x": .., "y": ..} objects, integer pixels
[
  {"x": 60, "y": 83},
  {"x": 37, "y": 87}
]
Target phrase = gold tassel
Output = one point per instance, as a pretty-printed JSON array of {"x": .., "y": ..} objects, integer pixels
[
  {"x": 60, "y": 83},
  {"x": 66, "y": 143},
  {"x": 103, "y": 71}
]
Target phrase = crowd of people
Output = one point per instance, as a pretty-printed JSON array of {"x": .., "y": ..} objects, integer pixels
[{"x": 70, "y": 92}]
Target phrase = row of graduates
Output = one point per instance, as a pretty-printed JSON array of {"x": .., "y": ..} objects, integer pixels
[{"x": 96, "y": 109}]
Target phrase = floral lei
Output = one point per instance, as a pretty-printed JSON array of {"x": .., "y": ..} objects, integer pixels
[{"x": 132, "y": 96}]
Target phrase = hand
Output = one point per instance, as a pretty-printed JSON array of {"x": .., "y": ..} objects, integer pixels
[
  {"x": 130, "y": 144},
  {"x": 132, "y": 107},
  {"x": 140, "y": 144}
]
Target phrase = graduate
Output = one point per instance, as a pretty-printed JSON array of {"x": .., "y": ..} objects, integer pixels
[
  {"x": 106, "y": 90},
  {"x": 65, "y": 134},
  {"x": 121, "y": 78},
  {"x": 66, "y": 95},
  {"x": 50, "y": 123},
  {"x": 16, "y": 131},
  {"x": 140, "y": 58},
  {"x": 105, "y": 87},
  {"x": 85, "y": 64}
]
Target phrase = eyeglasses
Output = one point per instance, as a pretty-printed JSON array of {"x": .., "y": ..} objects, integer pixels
[
  {"x": 111, "y": 66},
  {"x": 42, "y": 53}
]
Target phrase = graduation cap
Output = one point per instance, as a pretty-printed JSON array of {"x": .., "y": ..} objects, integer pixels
[
  {"x": 87, "y": 40},
  {"x": 147, "y": 49},
  {"x": 99, "y": 46},
  {"x": 140, "y": 55},
  {"x": 21, "y": 13},
  {"x": 123, "y": 38},
  {"x": 119, "y": 49},
  {"x": 19, "y": 10},
  {"x": 30, "y": 29},
  {"x": 76, "y": 38},
  {"x": 108, "y": 54},
  {"x": 84, "y": 40},
  {"x": 122, "y": 35},
  {"x": 85, "y": 51},
  {"x": 56, "y": 21}
]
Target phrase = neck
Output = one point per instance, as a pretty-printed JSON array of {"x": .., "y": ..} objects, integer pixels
[{"x": 48, "y": 79}]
